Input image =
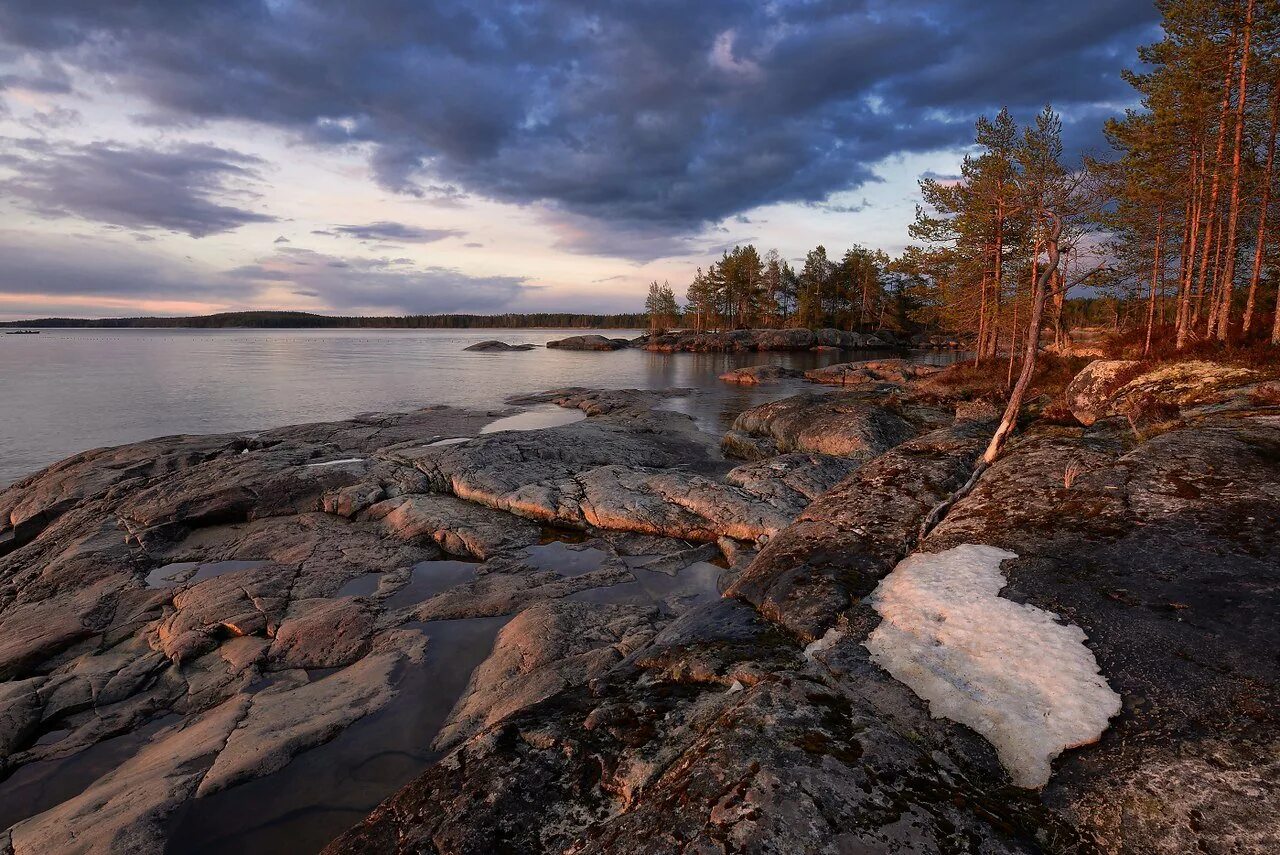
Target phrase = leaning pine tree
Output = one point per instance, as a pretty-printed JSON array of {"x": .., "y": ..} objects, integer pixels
[{"x": 1053, "y": 198}]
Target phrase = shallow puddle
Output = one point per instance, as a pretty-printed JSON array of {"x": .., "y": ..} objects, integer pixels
[
  {"x": 561, "y": 558},
  {"x": 325, "y": 791},
  {"x": 341, "y": 462},
  {"x": 430, "y": 578},
  {"x": 453, "y": 440},
  {"x": 190, "y": 572},
  {"x": 692, "y": 586},
  {"x": 536, "y": 418},
  {"x": 45, "y": 784}
]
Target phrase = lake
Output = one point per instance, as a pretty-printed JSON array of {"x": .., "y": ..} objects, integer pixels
[{"x": 67, "y": 390}]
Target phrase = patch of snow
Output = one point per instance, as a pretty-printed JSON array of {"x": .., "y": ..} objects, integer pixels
[
  {"x": 1010, "y": 671},
  {"x": 338, "y": 462}
]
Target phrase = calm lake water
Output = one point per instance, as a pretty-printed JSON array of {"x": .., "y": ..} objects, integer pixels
[{"x": 65, "y": 391}]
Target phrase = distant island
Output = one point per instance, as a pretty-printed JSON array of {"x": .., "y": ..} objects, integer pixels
[{"x": 310, "y": 320}]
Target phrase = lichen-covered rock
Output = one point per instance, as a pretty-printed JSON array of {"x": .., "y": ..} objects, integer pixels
[
  {"x": 1089, "y": 394},
  {"x": 838, "y": 549},
  {"x": 834, "y": 423}
]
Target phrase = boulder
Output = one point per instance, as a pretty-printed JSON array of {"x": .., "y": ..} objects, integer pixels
[
  {"x": 1089, "y": 394},
  {"x": 823, "y": 423}
]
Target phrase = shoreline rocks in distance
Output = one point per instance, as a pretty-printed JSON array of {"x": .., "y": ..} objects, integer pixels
[{"x": 734, "y": 341}]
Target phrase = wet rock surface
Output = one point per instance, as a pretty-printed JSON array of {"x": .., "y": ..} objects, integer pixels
[{"x": 262, "y": 613}]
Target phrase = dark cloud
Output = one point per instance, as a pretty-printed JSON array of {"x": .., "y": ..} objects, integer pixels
[
  {"x": 383, "y": 285},
  {"x": 282, "y": 239},
  {"x": 649, "y": 120},
  {"x": 386, "y": 230},
  {"x": 176, "y": 188}
]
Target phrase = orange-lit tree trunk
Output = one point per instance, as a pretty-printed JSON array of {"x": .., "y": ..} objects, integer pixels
[
  {"x": 1215, "y": 186},
  {"x": 1260, "y": 243},
  {"x": 1155, "y": 279},
  {"x": 1227, "y": 287},
  {"x": 1189, "y": 260}
]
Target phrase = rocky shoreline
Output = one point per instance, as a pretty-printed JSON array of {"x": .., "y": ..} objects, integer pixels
[{"x": 674, "y": 629}]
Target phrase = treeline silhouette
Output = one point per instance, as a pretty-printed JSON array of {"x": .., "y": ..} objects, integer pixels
[{"x": 308, "y": 320}]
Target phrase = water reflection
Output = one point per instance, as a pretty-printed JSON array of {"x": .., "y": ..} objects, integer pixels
[
  {"x": 145, "y": 383},
  {"x": 326, "y": 790}
]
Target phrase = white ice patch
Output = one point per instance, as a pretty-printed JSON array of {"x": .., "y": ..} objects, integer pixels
[{"x": 1010, "y": 671}]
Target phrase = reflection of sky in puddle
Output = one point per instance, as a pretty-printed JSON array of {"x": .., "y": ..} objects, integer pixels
[
  {"x": 39, "y": 786},
  {"x": 692, "y": 586},
  {"x": 535, "y": 418},
  {"x": 182, "y": 573},
  {"x": 559, "y": 558},
  {"x": 326, "y": 790},
  {"x": 429, "y": 578},
  {"x": 341, "y": 462},
  {"x": 453, "y": 440}
]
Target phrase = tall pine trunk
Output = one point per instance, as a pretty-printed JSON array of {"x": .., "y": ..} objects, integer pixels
[
  {"x": 1260, "y": 243},
  {"x": 1155, "y": 279},
  {"x": 1233, "y": 218},
  {"x": 1215, "y": 186}
]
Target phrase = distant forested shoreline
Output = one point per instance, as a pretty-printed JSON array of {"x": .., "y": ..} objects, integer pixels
[{"x": 309, "y": 320}]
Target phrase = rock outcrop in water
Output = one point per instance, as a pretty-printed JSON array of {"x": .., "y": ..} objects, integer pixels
[
  {"x": 493, "y": 345},
  {"x": 234, "y": 603}
]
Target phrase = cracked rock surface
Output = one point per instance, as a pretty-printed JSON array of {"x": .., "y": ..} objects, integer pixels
[{"x": 206, "y": 611}]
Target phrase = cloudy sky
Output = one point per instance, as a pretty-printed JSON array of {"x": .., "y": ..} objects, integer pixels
[{"x": 390, "y": 156}]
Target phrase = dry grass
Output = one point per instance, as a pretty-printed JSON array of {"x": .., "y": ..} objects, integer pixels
[
  {"x": 1255, "y": 351},
  {"x": 968, "y": 381}
]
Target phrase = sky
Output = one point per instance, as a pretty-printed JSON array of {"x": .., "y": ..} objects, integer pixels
[{"x": 405, "y": 156}]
